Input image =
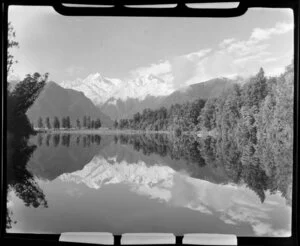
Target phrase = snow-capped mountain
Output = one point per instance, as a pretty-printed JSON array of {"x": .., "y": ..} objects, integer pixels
[
  {"x": 123, "y": 98},
  {"x": 100, "y": 171},
  {"x": 100, "y": 89},
  {"x": 118, "y": 108},
  {"x": 95, "y": 87}
]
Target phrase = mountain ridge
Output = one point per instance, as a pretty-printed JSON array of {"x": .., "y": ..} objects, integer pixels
[
  {"x": 123, "y": 98},
  {"x": 54, "y": 100},
  {"x": 204, "y": 90}
]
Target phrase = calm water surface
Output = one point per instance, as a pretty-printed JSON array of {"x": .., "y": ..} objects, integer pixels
[{"x": 142, "y": 183}]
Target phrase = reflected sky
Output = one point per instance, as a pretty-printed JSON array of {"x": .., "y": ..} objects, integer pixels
[{"x": 119, "y": 189}]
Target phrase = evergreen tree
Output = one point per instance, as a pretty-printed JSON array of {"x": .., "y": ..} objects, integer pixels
[
  {"x": 78, "y": 125},
  {"x": 40, "y": 123},
  {"x": 63, "y": 122},
  {"x": 116, "y": 124},
  {"x": 68, "y": 122},
  {"x": 56, "y": 123},
  {"x": 48, "y": 125},
  {"x": 20, "y": 99},
  {"x": 255, "y": 90},
  {"x": 12, "y": 43},
  {"x": 89, "y": 122},
  {"x": 97, "y": 123},
  {"x": 85, "y": 122}
]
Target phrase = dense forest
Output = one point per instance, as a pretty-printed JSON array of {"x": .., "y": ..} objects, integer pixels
[
  {"x": 179, "y": 117},
  {"x": 252, "y": 125},
  {"x": 229, "y": 113}
]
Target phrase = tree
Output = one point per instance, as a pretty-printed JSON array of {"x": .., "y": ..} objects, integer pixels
[
  {"x": 78, "y": 124},
  {"x": 116, "y": 124},
  {"x": 18, "y": 131},
  {"x": 195, "y": 109},
  {"x": 207, "y": 118},
  {"x": 48, "y": 125},
  {"x": 84, "y": 121},
  {"x": 56, "y": 123},
  {"x": 92, "y": 124},
  {"x": 68, "y": 122},
  {"x": 88, "y": 123},
  {"x": 255, "y": 90},
  {"x": 40, "y": 123},
  {"x": 63, "y": 122},
  {"x": 97, "y": 123},
  {"x": 27, "y": 91},
  {"x": 11, "y": 43},
  {"x": 20, "y": 99}
]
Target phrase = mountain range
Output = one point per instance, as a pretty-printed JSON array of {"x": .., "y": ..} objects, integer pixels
[
  {"x": 110, "y": 99},
  {"x": 101, "y": 89},
  {"x": 121, "y": 99}
]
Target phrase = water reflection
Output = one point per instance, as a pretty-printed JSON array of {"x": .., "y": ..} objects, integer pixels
[
  {"x": 19, "y": 179},
  {"x": 208, "y": 176}
]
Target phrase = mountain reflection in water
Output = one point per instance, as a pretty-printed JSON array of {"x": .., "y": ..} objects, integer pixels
[{"x": 152, "y": 183}]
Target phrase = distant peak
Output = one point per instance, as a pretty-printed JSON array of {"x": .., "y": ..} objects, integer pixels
[{"x": 94, "y": 76}]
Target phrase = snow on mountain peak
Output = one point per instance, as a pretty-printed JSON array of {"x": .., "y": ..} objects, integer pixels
[
  {"x": 157, "y": 182},
  {"x": 141, "y": 178},
  {"x": 100, "y": 89}
]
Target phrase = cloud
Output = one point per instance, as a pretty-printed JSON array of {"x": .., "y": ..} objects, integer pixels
[
  {"x": 270, "y": 59},
  {"x": 259, "y": 216},
  {"x": 260, "y": 34},
  {"x": 161, "y": 70},
  {"x": 262, "y": 229},
  {"x": 197, "y": 55},
  {"x": 250, "y": 57},
  {"x": 157, "y": 69},
  {"x": 226, "y": 42},
  {"x": 74, "y": 70},
  {"x": 232, "y": 57},
  {"x": 275, "y": 71}
]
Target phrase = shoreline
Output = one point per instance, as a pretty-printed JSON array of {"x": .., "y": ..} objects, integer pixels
[{"x": 104, "y": 131}]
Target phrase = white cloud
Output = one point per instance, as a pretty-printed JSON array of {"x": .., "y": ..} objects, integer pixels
[
  {"x": 260, "y": 34},
  {"x": 250, "y": 57},
  {"x": 231, "y": 58},
  {"x": 199, "y": 207},
  {"x": 262, "y": 229},
  {"x": 269, "y": 59},
  {"x": 275, "y": 71},
  {"x": 74, "y": 70},
  {"x": 226, "y": 42},
  {"x": 197, "y": 55},
  {"x": 175, "y": 71},
  {"x": 158, "y": 69}
]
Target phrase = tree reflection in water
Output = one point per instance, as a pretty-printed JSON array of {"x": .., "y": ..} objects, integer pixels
[
  {"x": 241, "y": 167},
  {"x": 19, "y": 179},
  {"x": 241, "y": 164},
  {"x": 19, "y": 152}
]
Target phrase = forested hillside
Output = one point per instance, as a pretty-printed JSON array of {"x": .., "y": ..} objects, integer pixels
[
  {"x": 248, "y": 111},
  {"x": 252, "y": 126}
]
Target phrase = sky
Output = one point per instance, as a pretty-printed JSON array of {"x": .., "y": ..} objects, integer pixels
[{"x": 181, "y": 51}]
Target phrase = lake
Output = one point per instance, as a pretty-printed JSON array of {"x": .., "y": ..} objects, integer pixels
[{"x": 143, "y": 183}]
